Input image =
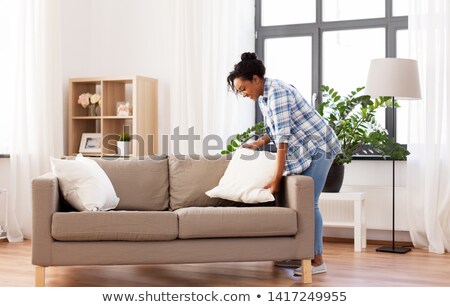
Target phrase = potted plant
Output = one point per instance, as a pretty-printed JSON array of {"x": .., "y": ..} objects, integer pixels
[
  {"x": 353, "y": 119},
  {"x": 123, "y": 144}
]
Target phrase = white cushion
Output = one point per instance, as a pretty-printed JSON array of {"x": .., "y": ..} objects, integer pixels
[
  {"x": 84, "y": 184},
  {"x": 245, "y": 177}
]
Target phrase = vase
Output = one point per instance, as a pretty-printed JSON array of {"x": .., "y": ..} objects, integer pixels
[
  {"x": 91, "y": 110},
  {"x": 335, "y": 179}
]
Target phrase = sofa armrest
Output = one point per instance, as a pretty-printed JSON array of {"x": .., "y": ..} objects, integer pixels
[
  {"x": 45, "y": 202},
  {"x": 297, "y": 192}
]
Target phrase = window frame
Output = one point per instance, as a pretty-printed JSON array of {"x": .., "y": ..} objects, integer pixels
[{"x": 390, "y": 23}]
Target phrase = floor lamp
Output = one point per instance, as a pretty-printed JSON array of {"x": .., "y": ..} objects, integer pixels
[{"x": 395, "y": 78}]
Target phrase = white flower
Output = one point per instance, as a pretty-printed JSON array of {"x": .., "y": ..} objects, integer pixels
[{"x": 95, "y": 98}]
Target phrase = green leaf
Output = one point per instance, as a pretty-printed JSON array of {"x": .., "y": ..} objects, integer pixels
[{"x": 350, "y": 116}]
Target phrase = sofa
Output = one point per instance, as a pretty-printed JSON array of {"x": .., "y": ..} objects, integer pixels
[{"x": 164, "y": 217}]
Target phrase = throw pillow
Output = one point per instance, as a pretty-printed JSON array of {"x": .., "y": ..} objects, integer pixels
[
  {"x": 245, "y": 177},
  {"x": 84, "y": 184}
]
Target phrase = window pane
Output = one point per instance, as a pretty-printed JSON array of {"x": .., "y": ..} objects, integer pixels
[
  {"x": 402, "y": 112},
  {"x": 352, "y": 9},
  {"x": 346, "y": 59},
  {"x": 290, "y": 60},
  {"x": 287, "y": 12},
  {"x": 400, "y": 7}
]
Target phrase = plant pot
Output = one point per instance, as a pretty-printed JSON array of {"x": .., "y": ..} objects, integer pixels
[
  {"x": 123, "y": 148},
  {"x": 335, "y": 178}
]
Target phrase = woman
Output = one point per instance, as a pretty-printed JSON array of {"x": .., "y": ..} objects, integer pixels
[{"x": 305, "y": 143}]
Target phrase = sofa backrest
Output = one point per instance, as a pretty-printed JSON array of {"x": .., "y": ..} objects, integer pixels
[
  {"x": 191, "y": 177},
  {"x": 140, "y": 183}
]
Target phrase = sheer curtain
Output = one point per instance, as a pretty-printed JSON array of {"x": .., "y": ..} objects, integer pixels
[
  {"x": 429, "y": 140},
  {"x": 36, "y": 108},
  {"x": 209, "y": 37}
]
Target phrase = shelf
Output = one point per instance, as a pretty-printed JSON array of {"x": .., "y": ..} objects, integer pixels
[
  {"x": 339, "y": 224},
  {"x": 86, "y": 154},
  {"x": 142, "y": 95},
  {"x": 117, "y": 117}
]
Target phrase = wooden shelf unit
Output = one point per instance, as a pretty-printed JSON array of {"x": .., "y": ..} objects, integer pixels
[{"x": 142, "y": 125}]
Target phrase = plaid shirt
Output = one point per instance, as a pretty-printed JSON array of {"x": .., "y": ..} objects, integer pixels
[{"x": 290, "y": 119}]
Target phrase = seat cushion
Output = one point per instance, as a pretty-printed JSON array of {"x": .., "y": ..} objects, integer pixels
[
  {"x": 114, "y": 226},
  {"x": 140, "y": 183},
  {"x": 232, "y": 222}
]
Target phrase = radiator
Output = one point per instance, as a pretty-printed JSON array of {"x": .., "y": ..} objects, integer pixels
[
  {"x": 378, "y": 205},
  {"x": 3, "y": 200}
]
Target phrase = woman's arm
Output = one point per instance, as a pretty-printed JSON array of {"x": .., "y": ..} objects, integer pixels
[
  {"x": 265, "y": 139},
  {"x": 274, "y": 184}
]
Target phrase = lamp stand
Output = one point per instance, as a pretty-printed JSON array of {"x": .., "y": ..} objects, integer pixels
[{"x": 393, "y": 248}]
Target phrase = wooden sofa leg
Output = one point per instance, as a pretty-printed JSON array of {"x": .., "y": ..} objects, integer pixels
[
  {"x": 306, "y": 271},
  {"x": 40, "y": 276}
]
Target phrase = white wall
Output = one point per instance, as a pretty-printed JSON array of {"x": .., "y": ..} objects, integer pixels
[{"x": 117, "y": 38}]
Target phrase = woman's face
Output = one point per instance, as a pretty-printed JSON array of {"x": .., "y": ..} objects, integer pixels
[{"x": 249, "y": 88}]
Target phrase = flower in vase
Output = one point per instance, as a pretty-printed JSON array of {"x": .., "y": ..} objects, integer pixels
[
  {"x": 95, "y": 98},
  {"x": 87, "y": 99},
  {"x": 83, "y": 99}
]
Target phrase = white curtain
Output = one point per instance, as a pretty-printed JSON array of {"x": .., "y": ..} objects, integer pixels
[
  {"x": 36, "y": 108},
  {"x": 209, "y": 37},
  {"x": 428, "y": 165}
]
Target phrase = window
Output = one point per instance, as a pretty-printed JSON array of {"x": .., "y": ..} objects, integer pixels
[
  {"x": 283, "y": 53},
  {"x": 329, "y": 39},
  {"x": 286, "y": 12},
  {"x": 352, "y": 9}
]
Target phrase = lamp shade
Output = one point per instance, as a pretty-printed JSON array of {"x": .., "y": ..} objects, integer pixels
[{"x": 393, "y": 77}]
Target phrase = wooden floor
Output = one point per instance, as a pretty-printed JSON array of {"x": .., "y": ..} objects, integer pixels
[{"x": 345, "y": 268}]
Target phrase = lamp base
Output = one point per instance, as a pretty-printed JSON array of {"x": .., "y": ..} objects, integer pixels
[{"x": 395, "y": 249}]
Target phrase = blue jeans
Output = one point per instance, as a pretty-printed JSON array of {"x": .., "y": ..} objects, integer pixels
[{"x": 318, "y": 170}]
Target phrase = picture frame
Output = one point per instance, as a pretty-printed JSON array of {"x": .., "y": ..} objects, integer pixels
[
  {"x": 123, "y": 108},
  {"x": 91, "y": 143}
]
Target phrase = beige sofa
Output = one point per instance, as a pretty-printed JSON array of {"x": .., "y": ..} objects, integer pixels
[{"x": 164, "y": 217}]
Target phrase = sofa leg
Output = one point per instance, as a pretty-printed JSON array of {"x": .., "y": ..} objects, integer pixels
[
  {"x": 40, "y": 276},
  {"x": 306, "y": 271}
]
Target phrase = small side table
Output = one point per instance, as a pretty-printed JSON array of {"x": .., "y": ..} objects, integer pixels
[{"x": 359, "y": 216}]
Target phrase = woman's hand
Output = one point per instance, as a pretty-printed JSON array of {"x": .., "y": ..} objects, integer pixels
[
  {"x": 252, "y": 146},
  {"x": 258, "y": 143},
  {"x": 274, "y": 185}
]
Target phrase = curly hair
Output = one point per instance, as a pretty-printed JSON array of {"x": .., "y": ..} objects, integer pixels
[{"x": 248, "y": 67}]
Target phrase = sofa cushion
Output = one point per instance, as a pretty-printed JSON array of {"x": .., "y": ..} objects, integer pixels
[
  {"x": 247, "y": 174},
  {"x": 190, "y": 178},
  {"x": 140, "y": 183},
  {"x": 114, "y": 226},
  {"x": 84, "y": 184},
  {"x": 231, "y": 222}
]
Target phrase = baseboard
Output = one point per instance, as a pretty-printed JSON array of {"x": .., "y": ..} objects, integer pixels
[{"x": 369, "y": 242}]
